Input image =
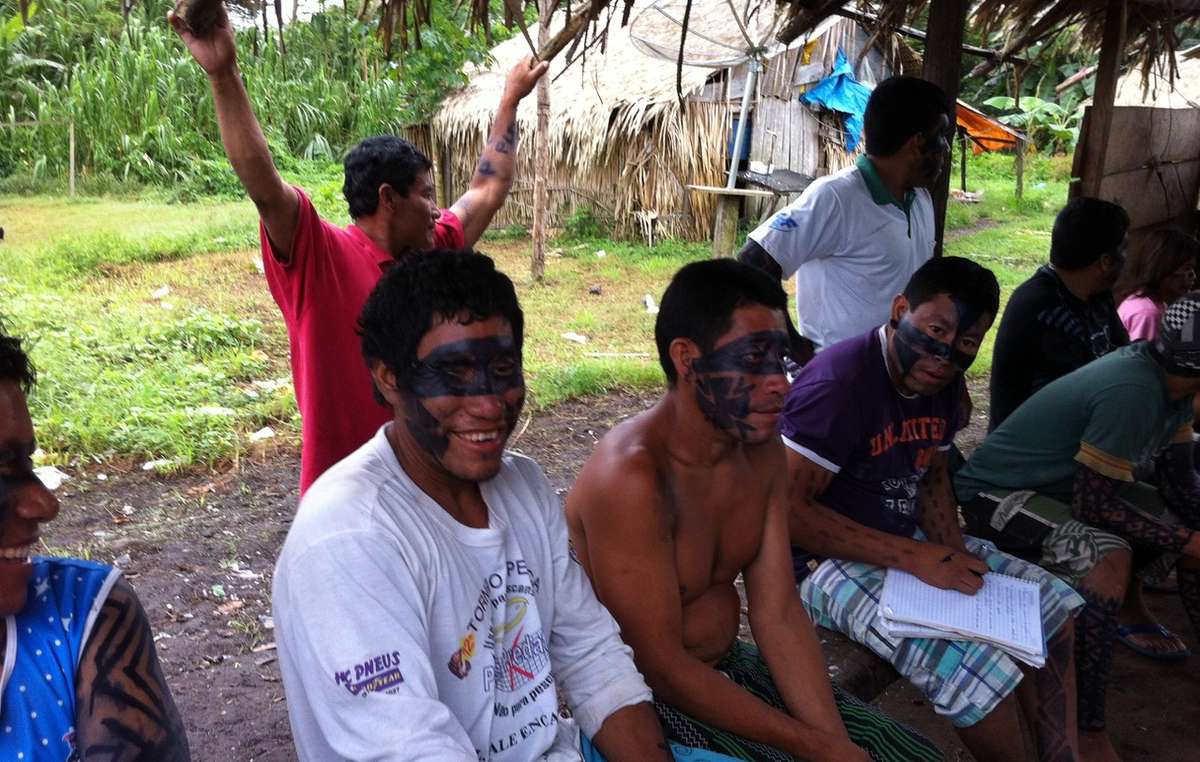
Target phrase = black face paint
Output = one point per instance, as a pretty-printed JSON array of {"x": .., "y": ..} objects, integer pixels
[
  {"x": 724, "y": 398},
  {"x": 725, "y": 402},
  {"x": 912, "y": 344},
  {"x": 425, "y": 429},
  {"x": 762, "y": 353},
  {"x": 489, "y": 365}
]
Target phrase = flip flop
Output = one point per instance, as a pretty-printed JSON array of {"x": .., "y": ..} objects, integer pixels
[{"x": 1125, "y": 631}]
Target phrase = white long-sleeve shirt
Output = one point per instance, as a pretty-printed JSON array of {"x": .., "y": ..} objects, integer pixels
[{"x": 405, "y": 635}]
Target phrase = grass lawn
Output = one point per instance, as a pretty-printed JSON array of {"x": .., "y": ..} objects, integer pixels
[{"x": 156, "y": 338}]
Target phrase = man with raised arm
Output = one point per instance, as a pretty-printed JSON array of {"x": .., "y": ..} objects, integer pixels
[
  {"x": 320, "y": 274},
  {"x": 426, "y": 601},
  {"x": 868, "y": 424},
  {"x": 675, "y": 503},
  {"x": 80, "y": 677}
]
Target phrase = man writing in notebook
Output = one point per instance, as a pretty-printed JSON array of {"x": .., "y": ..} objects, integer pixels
[
  {"x": 868, "y": 424},
  {"x": 675, "y": 503}
]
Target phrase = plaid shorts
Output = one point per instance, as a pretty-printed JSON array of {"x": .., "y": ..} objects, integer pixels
[{"x": 963, "y": 679}]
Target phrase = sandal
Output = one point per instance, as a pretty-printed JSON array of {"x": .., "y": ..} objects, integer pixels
[{"x": 1158, "y": 630}]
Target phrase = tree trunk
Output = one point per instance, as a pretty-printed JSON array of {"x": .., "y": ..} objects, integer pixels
[
  {"x": 943, "y": 61},
  {"x": 541, "y": 155}
]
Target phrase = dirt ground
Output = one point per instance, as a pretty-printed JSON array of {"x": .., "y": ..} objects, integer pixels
[{"x": 200, "y": 550}]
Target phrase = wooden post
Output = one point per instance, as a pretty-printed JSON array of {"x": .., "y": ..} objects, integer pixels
[
  {"x": 962, "y": 155},
  {"x": 943, "y": 67},
  {"x": 725, "y": 226},
  {"x": 1095, "y": 141},
  {"x": 541, "y": 155},
  {"x": 1021, "y": 146},
  {"x": 1019, "y": 163},
  {"x": 71, "y": 159}
]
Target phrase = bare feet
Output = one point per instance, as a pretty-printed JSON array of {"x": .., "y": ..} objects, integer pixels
[{"x": 1094, "y": 746}]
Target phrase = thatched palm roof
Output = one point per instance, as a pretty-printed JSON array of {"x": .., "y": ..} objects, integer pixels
[
  {"x": 608, "y": 96},
  {"x": 1150, "y": 34}
]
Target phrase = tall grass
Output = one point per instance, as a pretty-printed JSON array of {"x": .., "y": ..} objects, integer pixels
[{"x": 142, "y": 108}]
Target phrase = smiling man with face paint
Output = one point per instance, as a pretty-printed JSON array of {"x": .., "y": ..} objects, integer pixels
[
  {"x": 678, "y": 501},
  {"x": 79, "y": 674},
  {"x": 868, "y": 424},
  {"x": 426, "y": 602}
]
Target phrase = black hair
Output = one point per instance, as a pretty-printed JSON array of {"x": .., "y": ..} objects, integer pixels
[
  {"x": 1085, "y": 230},
  {"x": 965, "y": 281},
  {"x": 376, "y": 161},
  {"x": 900, "y": 107},
  {"x": 419, "y": 288},
  {"x": 700, "y": 300},
  {"x": 14, "y": 362},
  {"x": 1160, "y": 255}
]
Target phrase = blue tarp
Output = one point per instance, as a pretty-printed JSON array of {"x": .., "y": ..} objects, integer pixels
[{"x": 841, "y": 92}]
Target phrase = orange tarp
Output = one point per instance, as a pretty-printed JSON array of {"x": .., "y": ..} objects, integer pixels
[{"x": 986, "y": 133}]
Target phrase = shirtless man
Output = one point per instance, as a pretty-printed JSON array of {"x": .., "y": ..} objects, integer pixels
[{"x": 675, "y": 503}]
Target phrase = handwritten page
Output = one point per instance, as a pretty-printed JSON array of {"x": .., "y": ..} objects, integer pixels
[{"x": 1006, "y": 611}]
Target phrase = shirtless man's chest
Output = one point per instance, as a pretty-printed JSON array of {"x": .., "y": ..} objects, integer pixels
[{"x": 717, "y": 515}]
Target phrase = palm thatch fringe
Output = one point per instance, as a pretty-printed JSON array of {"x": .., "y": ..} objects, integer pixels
[{"x": 620, "y": 141}]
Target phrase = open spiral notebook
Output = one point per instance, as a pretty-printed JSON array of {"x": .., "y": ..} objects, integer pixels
[{"x": 1006, "y": 612}]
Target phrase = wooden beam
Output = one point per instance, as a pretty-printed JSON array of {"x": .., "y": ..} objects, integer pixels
[
  {"x": 943, "y": 67},
  {"x": 1095, "y": 143},
  {"x": 868, "y": 20}
]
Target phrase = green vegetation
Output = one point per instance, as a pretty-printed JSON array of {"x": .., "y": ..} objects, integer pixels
[
  {"x": 141, "y": 107},
  {"x": 157, "y": 339}
]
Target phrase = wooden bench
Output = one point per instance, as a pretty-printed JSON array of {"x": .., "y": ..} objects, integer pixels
[{"x": 855, "y": 668}]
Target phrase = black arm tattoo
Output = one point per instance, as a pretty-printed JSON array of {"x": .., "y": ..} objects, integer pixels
[
  {"x": 507, "y": 143},
  {"x": 1095, "y": 501},
  {"x": 124, "y": 709},
  {"x": 1178, "y": 482}
]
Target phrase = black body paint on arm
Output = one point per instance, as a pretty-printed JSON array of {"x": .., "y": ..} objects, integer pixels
[
  {"x": 756, "y": 256},
  {"x": 1095, "y": 501},
  {"x": 1178, "y": 482},
  {"x": 124, "y": 710},
  {"x": 507, "y": 143}
]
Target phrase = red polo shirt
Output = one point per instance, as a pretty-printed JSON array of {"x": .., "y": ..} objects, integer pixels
[{"x": 321, "y": 292}]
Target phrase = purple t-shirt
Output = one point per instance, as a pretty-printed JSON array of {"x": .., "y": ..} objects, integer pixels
[{"x": 844, "y": 414}]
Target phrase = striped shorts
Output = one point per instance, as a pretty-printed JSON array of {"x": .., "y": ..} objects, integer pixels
[
  {"x": 963, "y": 679},
  {"x": 884, "y": 739}
]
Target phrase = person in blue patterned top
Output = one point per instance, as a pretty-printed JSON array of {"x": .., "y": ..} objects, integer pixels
[{"x": 79, "y": 676}]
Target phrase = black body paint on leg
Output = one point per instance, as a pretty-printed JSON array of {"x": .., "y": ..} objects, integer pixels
[
  {"x": 1189, "y": 592},
  {"x": 1095, "y": 635},
  {"x": 1054, "y": 686}
]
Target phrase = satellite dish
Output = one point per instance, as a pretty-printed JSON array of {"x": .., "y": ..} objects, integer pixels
[{"x": 720, "y": 33}]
